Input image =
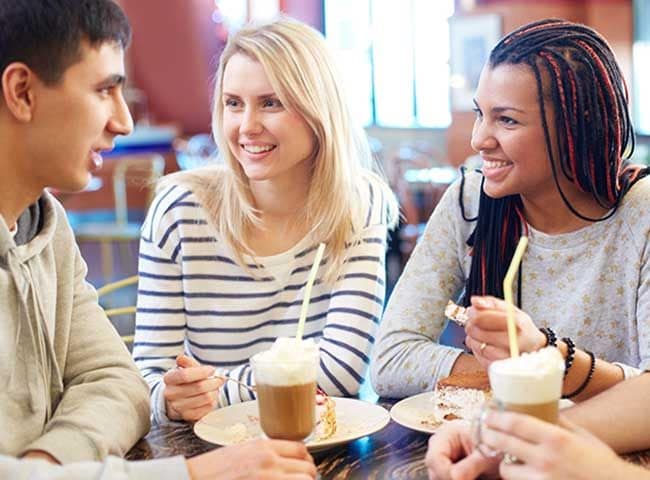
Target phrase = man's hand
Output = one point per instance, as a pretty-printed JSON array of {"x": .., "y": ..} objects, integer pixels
[
  {"x": 257, "y": 459},
  {"x": 549, "y": 451},
  {"x": 451, "y": 455}
]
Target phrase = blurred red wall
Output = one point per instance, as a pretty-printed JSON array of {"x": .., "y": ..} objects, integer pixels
[{"x": 173, "y": 59}]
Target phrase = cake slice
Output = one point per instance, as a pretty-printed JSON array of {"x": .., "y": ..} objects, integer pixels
[
  {"x": 459, "y": 396},
  {"x": 325, "y": 416},
  {"x": 476, "y": 380},
  {"x": 456, "y": 313}
]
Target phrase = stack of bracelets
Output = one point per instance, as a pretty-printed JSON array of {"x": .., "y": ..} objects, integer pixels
[{"x": 551, "y": 340}]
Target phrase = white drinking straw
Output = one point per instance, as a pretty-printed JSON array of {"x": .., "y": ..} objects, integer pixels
[{"x": 310, "y": 283}]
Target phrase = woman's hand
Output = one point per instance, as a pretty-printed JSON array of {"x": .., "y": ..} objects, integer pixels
[
  {"x": 451, "y": 455},
  {"x": 487, "y": 330},
  {"x": 549, "y": 451},
  {"x": 256, "y": 459},
  {"x": 189, "y": 392}
]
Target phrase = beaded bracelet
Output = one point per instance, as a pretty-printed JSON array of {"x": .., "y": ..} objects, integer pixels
[
  {"x": 592, "y": 368},
  {"x": 551, "y": 338},
  {"x": 570, "y": 354}
]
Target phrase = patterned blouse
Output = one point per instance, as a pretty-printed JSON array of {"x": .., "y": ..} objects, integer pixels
[{"x": 592, "y": 285}]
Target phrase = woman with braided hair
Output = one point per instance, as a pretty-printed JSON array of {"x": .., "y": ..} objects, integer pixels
[{"x": 554, "y": 133}]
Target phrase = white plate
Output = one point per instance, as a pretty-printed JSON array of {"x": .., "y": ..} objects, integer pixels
[
  {"x": 354, "y": 419},
  {"x": 416, "y": 412}
]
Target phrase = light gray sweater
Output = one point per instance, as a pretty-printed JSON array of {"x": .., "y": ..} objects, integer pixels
[
  {"x": 592, "y": 285},
  {"x": 67, "y": 383}
]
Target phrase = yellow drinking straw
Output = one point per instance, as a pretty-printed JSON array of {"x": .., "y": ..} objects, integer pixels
[
  {"x": 310, "y": 283},
  {"x": 507, "y": 294}
]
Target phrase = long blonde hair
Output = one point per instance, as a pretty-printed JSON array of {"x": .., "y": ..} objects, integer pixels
[{"x": 301, "y": 71}]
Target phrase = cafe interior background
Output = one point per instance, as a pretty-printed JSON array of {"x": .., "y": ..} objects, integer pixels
[{"x": 409, "y": 66}]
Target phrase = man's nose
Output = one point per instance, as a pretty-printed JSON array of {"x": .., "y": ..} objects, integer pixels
[{"x": 121, "y": 122}]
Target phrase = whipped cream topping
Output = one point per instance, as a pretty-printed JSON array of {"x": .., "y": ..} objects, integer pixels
[
  {"x": 288, "y": 362},
  {"x": 531, "y": 378}
]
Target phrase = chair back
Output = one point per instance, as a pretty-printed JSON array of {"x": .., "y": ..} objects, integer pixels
[
  {"x": 149, "y": 168},
  {"x": 113, "y": 312}
]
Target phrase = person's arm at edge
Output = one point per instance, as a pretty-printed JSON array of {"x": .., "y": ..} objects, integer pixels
[
  {"x": 110, "y": 468},
  {"x": 618, "y": 416}
]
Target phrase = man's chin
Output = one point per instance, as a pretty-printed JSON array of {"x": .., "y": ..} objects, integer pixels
[{"x": 74, "y": 185}]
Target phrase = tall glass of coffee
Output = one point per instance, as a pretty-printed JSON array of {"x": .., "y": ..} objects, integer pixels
[
  {"x": 530, "y": 384},
  {"x": 285, "y": 378}
]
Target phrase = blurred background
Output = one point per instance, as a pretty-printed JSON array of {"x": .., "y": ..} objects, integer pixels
[{"x": 410, "y": 68}]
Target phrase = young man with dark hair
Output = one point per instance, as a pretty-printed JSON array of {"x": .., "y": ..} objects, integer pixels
[
  {"x": 72, "y": 393},
  {"x": 69, "y": 389}
]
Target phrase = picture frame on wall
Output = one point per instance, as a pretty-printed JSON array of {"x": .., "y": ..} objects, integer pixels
[{"x": 471, "y": 39}]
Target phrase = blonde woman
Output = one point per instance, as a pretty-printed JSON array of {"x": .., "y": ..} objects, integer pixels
[{"x": 226, "y": 250}]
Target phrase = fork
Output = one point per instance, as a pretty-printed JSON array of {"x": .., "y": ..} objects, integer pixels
[{"x": 241, "y": 384}]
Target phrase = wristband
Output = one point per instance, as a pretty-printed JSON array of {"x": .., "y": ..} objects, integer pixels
[
  {"x": 551, "y": 338},
  {"x": 592, "y": 368},
  {"x": 570, "y": 354}
]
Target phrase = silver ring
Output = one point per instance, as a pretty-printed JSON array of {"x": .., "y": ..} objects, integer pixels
[{"x": 482, "y": 347}]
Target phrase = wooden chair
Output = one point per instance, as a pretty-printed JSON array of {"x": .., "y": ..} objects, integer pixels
[{"x": 114, "y": 312}]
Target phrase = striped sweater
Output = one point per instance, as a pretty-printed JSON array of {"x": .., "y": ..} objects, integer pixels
[{"x": 193, "y": 298}]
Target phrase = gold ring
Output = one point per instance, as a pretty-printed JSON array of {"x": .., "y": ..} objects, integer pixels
[{"x": 482, "y": 347}]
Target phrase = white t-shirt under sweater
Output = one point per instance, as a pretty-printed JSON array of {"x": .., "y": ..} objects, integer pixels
[
  {"x": 193, "y": 298},
  {"x": 592, "y": 285}
]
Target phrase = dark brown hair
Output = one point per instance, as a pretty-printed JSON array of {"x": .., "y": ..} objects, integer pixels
[{"x": 46, "y": 35}]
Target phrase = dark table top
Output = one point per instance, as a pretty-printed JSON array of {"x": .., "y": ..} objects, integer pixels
[{"x": 392, "y": 453}]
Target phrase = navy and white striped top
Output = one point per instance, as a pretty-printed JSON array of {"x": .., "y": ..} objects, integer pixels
[{"x": 193, "y": 298}]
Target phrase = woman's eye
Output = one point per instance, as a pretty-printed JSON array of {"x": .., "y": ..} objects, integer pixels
[
  {"x": 272, "y": 103},
  {"x": 230, "y": 102},
  {"x": 508, "y": 121}
]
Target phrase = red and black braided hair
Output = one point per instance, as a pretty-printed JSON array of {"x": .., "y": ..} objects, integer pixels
[{"x": 595, "y": 137}]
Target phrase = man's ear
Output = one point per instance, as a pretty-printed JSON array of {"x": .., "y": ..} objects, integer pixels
[{"x": 17, "y": 89}]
